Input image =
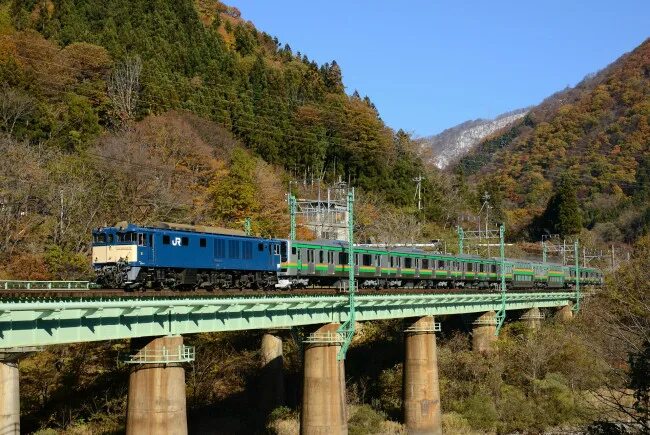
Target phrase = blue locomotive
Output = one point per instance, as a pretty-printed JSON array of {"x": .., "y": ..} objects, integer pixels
[{"x": 184, "y": 257}]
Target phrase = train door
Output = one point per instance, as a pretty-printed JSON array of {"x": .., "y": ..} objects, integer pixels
[
  {"x": 144, "y": 256},
  {"x": 331, "y": 266},
  {"x": 311, "y": 263}
]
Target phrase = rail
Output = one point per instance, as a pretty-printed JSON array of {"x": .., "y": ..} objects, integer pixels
[{"x": 44, "y": 285}]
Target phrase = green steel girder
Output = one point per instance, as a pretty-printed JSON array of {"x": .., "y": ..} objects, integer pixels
[{"x": 33, "y": 322}]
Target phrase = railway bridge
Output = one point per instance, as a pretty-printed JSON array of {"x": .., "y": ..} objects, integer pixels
[{"x": 37, "y": 314}]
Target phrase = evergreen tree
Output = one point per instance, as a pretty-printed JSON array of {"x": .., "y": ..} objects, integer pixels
[{"x": 563, "y": 214}]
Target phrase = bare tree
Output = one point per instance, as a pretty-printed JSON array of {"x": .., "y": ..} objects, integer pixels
[
  {"x": 124, "y": 88},
  {"x": 14, "y": 105}
]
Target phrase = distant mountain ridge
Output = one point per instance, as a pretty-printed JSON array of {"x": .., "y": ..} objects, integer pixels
[{"x": 452, "y": 144}]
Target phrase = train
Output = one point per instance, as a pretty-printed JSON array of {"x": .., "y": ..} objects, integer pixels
[{"x": 187, "y": 257}]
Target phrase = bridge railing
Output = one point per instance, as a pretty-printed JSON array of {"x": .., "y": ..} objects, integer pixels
[{"x": 44, "y": 285}]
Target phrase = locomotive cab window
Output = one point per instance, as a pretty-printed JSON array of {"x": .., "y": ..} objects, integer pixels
[
  {"x": 276, "y": 249},
  {"x": 165, "y": 239},
  {"x": 185, "y": 241},
  {"x": 260, "y": 247},
  {"x": 203, "y": 242}
]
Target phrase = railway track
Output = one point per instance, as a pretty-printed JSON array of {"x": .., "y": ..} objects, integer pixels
[{"x": 10, "y": 294}]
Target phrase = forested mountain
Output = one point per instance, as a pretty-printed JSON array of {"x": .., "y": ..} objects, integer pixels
[
  {"x": 449, "y": 146},
  {"x": 170, "y": 110},
  {"x": 592, "y": 140}
]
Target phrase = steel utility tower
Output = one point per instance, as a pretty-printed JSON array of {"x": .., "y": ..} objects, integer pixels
[{"x": 418, "y": 190}]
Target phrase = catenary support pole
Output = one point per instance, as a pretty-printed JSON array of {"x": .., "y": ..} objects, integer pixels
[{"x": 422, "y": 414}]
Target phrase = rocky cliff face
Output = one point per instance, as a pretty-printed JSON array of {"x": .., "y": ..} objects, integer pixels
[{"x": 449, "y": 146}]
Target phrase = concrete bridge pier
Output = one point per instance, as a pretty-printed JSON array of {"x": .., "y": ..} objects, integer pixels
[
  {"x": 156, "y": 402},
  {"x": 484, "y": 330},
  {"x": 10, "y": 388},
  {"x": 565, "y": 313},
  {"x": 9, "y": 398},
  {"x": 324, "y": 409},
  {"x": 422, "y": 414},
  {"x": 271, "y": 391},
  {"x": 532, "y": 319}
]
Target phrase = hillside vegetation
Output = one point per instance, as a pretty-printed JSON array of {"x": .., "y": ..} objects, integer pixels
[
  {"x": 597, "y": 136},
  {"x": 172, "y": 110}
]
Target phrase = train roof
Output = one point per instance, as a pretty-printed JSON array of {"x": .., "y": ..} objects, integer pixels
[{"x": 181, "y": 227}]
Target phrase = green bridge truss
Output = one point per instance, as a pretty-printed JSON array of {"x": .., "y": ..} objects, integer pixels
[{"x": 40, "y": 322}]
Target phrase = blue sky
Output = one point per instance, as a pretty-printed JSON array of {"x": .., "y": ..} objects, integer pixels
[{"x": 431, "y": 64}]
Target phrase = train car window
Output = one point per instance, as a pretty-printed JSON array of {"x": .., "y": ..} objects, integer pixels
[
  {"x": 151, "y": 240},
  {"x": 276, "y": 249},
  {"x": 367, "y": 259},
  {"x": 425, "y": 263},
  {"x": 330, "y": 257},
  {"x": 293, "y": 251},
  {"x": 165, "y": 239},
  {"x": 233, "y": 248},
  {"x": 378, "y": 260},
  {"x": 260, "y": 247},
  {"x": 110, "y": 238},
  {"x": 185, "y": 241},
  {"x": 283, "y": 251},
  {"x": 203, "y": 242},
  {"x": 408, "y": 263},
  {"x": 417, "y": 263},
  {"x": 391, "y": 261},
  {"x": 470, "y": 267},
  {"x": 343, "y": 258},
  {"x": 493, "y": 268},
  {"x": 321, "y": 256},
  {"x": 141, "y": 239},
  {"x": 480, "y": 268}
]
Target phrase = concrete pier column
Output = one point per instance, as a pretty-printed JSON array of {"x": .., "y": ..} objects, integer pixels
[
  {"x": 272, "y": 373},
  {"x": 422, "y": 413},
  {"x": 323, "y": 400},
  {"x": 156, "y": 403},
  {"x": 532, "y": 319},
  {"x": 564, "y": 313},
  {"x": 9, "y": 399},
  {"x": 483, "y": 332}
]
